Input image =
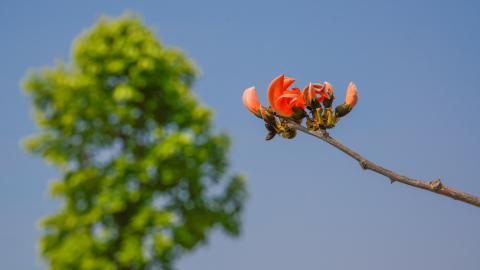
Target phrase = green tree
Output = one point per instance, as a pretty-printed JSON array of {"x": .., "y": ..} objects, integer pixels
[{"x": 142, "y": 176}]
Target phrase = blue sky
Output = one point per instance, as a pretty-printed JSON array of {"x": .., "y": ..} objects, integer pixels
[{"x": 417, "y": 67}]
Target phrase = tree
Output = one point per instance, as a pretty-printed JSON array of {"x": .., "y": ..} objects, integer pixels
[{"x": 142, "y": 176}]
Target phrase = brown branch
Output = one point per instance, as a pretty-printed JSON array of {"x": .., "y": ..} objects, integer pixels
[{"x": 435, "y": 186}]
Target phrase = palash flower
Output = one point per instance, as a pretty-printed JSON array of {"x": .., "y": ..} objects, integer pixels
[
  {"x": 283, "y": 101},
  {"x": 250, "y": 101},
  {"x": 291, "y": 104},
  {"x": 311, "y": 91}
]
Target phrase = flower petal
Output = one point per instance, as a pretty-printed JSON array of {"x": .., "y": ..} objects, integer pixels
[
  {"x": 250, "y": 101},
  {"x": 328, "y": 89},
  {"x": 287, "y": 95},
  {"x": 309, "y": 94},
  {"x": 352, "y": 95},
  {"x": 287, "y": 82},
  {"x": 275, "y": 89}
]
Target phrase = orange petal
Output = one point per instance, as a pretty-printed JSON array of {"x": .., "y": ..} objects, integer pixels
[
  {"x": 275, "y": 90},
  {"x": 296, "y": 91},
  {"x": 299, "y": 100},
  {"x": 250, "y": 101},
  {"x": 282, "y": 106},
  {"x": 292, "y": 102},
  {"x": 284, "y": 109},
  {"x": 352, "y": 95},
  {"x": 287, "y": 95},
  {"x": 309, "y": 94},
  {"x": 287, "y": 82}
]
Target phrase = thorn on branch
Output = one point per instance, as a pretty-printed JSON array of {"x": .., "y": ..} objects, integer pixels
[{"x": 436, "y": 184}]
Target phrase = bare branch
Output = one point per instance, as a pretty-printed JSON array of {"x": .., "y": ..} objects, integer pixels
[{"x": 435, "y": 186}]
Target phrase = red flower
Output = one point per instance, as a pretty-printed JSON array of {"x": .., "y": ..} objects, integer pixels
[{"x": 282, "y": 100}]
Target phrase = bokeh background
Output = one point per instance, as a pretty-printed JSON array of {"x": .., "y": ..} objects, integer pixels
[{"x": 417, "y": 66}]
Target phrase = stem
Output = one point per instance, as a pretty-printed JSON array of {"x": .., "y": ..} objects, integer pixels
[{"x": 435, "y": 186}]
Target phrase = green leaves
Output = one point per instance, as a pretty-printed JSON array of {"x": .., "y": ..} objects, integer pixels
[
  {"x": 124, "y": 130},
  {"x": 126, "y": 93}
]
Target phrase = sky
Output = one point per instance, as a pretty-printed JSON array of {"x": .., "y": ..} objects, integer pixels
[{"x": 417, "y": 68}]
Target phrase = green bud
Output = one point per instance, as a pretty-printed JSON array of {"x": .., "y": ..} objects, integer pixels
[{"x": 342, "y": 110}]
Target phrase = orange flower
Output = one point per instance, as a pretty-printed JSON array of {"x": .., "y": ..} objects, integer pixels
[
  {"x": 282, "y": 100},
  {"x": 250, "y": 101},
  {"x": 352, "y": 95},
  {"x": 312, "y": 90}
]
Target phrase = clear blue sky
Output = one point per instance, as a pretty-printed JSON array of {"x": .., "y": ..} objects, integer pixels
[{"x": 417, "y": 66}]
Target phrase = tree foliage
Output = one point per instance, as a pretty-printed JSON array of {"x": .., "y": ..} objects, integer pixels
[{"x": 142, "y": 176}]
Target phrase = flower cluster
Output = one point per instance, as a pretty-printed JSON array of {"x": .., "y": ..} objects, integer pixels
[{"x": 313, "y": 103}]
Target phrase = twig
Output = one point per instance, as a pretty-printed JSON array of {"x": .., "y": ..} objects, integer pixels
[{"x": 435, "y": 186}]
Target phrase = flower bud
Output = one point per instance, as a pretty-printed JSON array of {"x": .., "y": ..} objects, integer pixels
[
  {"x": 328, "y": 93},
  {"x": 351, "y": 99}
]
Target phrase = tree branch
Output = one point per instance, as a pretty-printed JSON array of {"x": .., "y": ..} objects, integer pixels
[{"x": 435, "y": 186}]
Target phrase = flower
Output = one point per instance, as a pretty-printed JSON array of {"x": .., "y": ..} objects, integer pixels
[
  {"x": 250, "y": 101},
  {"x": 352, "y": 95},
  {"x": 291, "y": 104},
  {"x": 311, "y": 91},
  {"x": 283, "y": 101}
]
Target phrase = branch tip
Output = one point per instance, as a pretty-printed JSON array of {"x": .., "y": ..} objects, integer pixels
[{"x": 435, "y": 186}]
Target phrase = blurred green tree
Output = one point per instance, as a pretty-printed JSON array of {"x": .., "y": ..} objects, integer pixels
[{"x": 143, "y": 177}]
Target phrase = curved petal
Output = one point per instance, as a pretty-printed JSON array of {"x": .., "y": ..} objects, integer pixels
[
  {"x": 352, "y": 95},
  {"x": 287, "y": 82},
  {"x": 283, "y": 108},
  {"x": 328, "y": 89},
  {"x": 275, "y": 90},
  {"x": 296, "y": 91},
  {"x": 287, "y": 95},
  {"x": 309, "y": 94},
  {"x": 250, "y": 101},
  {"x": 299, "y": 100},
  {"x": 319, "y": 89}
]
